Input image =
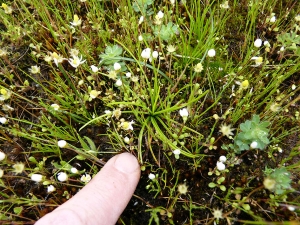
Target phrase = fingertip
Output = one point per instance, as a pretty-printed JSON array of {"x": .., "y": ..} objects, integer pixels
[{"x": 126, "y": 163}]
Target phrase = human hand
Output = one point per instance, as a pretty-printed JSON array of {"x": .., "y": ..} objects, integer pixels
[{"x": 103, "y": 199}]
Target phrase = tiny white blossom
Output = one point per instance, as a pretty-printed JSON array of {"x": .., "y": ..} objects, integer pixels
[
  {"x": 119, "y": 82},
  {"x": 107, "y": 112},
  {"x": 62, "y": 143},
  {"x": 76, "y": 61},
  {"x": 198, "y": 68},
  {"x": 51, "y": 188},
  {"x": 3, "y": 120},
  {"x": 1, "y": 173},
  {"x": 211, "y": 53},
  {"x": 140, "y": 38},
  {"x": 2, "y": 156},
  {"x": 35, "y": 69},
  {"x": 57, "y": 58},
  {"x": 220, "y": 166},
  {"x": 128, "y": 74},
  {"x": 291, "y": 208},
  {"x": 257, "y": 43},
  {"x": 253, "y": 144},
  {"x": 184, "y": 114},
  {"x": 127, "y": 125},
  {"x": 55, "y": 106},
  {"x": 160, "y": 14},
  {"x": 151, "y": 176},
  {"x": 141, "y": 19},
  {"x": 117, "y": 66},
  {"x": 127, "y": 140},
  {"x": 94, "y": 68},
  {"x": 62, "y": 176},
  {"x": 94, "y": 94},
  {"x": 86, "y": 178},
  {"x": 7, "y": 9},
  {"x": 155, "y": 54},
  {"x": 222, "y": 158},
  {"x": 37, "y": 177},
  {"x": 273, "y": 19},
  {"x": 76, "y": 21},
  {"x": 74, "y": 52},
  {"x": 146, "y": 53},
  {"x": 74, "y": 170}
]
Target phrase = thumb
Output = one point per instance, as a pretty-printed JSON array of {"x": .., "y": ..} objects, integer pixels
[{"x": 103, "y": 199}]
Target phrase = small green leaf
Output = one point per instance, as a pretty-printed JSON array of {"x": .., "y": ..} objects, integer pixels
[
  {"x": 212, "y": 185},
  {"x": 246, "y": 207},
  {"x": 223, "y": 188}
]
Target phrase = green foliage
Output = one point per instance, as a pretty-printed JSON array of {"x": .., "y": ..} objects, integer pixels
[
  {"x": 252, "y": 130},
  {"x": 281, "y": 178},
  {"x": 166, "y": 32},
  {"x": 142, "y": 6},
  {"x": 111, "y": 52}
]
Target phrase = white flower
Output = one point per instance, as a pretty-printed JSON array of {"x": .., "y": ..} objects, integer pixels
[
  {"x": 217, "y": 214},
  {"x": 35, "y": 69},
  {"x": 76, "y": 21},
  {"x": 2, "y": 156},
  {"x": 107, "y": 112},
  {"x": 171, "y": 48},
  {"x": 141, "y": 19},
  {"x": 222, "y": 158},
  {"x": 172, "y": 2},
  {"x": 273, "y": 19},
  {"x": 184, "y": 114},
  {"x": 76, "y": 61},
  {"x": 198, "y": 68},
  {"x": 55, "y": 106},
  {"x": 226, "y": 130},
  {"x": 1, "y": 173},
  {"x": 140, "y": 38},
  {"x": 62, "y": 176},
  {"x": 51, "y": 188},
  {"x": 146, "y": 53},
  {"x": 291, "y": 208},
  {"x": 94, "y": 94},
  {"x": 74, "y": 52},
  {"x": 128, "y": 74},
  {"x": 253, "y": 144},
  {"x": 3, "y": 120},
  {"x": 160, "y": 14},
  {"x": 119, "y": 82},
  {"x": 267, "y": 44},
  {"x": 127, "y": 140},
  {"x": 258, "y": 60},
  {"x": 117, "y": 66},
  {"x": 176, "y": 153},
  {"x": 37, "y": 177},
  {"x": 62, "y": 143},
  {"x": 151, "y": 176},
  {"x": 94, "y": 68},
  {"x": 257, "y": 43},
  {"x": 155, "y": 54},
  {"x": 127, "y": 125},
  {"x": 224, "y": 5},
  {"x": 74, "y": 170},
  {"x": 211, "y": 53},
  {"x": 57, "y": 58},
  {"x": 86, "y": 178},
  {"x": 220, "y": 166}
]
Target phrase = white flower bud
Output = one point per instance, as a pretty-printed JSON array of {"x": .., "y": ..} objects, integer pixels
[
  {"x": 257, "y": 43},
  {"x": 177, "y": 152},
  {"x": 117, "y": 66},
  {"x": 37, "y": 177},
  {"x": 3, "y": 120},
  {"x": 94, "y": 68},
  {"x": 220, "y": 166},
  {"x": 273, "y": 19},
  {"x": 151, "y": 176},
  {"x": 50, "y": 188},
  {"x": 62, "y": 143},
  {"x": 74, "y": 170},
  {"x": 211, "y": 53},
  {"x": 155, "y": 54},
  {"x": 62, "y": 176},
  {"x": 146, "y": 53},
  {"x": 253, "y": 144},
  {"x": 160, "y": 14},
  {"x": 2, "y": 156},
  {"x": 126, "y": 140},
  {"x": 119, "y": 82},
  {"x": 222, "y": 159}
]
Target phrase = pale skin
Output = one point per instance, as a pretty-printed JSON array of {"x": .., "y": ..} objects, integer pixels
[{"x": 103, "y": 199}]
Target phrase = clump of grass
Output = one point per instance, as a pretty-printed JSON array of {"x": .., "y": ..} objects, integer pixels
[{"x": 185, "y": 86}]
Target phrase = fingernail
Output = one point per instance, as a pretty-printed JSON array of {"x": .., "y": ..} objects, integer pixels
[{"x": 126, "y": 163}]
